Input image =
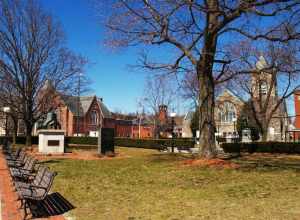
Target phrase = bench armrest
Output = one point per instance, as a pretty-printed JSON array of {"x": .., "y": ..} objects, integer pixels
[
  {"x": 22, "y": 169},
  {"x": 38, "y": 187}
]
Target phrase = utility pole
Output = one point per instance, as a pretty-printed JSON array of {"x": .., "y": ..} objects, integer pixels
[{"x": 78, "y": 106}]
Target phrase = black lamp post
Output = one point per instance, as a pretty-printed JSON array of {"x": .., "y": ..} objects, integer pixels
[
  {"x": 6, "y": 110},
  {"x": 234, "y": 126},
  {"x": 173, "y": 114}
]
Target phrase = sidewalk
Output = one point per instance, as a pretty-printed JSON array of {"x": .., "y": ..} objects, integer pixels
[{"x": 9, "y": 206}]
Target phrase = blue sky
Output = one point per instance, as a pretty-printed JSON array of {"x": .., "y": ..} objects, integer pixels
[{"x": 112, "y": 80}]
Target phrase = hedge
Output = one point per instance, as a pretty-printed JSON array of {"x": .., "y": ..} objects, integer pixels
[
  {"x": 155, "y": 143},
  {"x": 86, "y": 143},
  {"x": 109, "y": 142},
  {"x": 78, "y": 142},
  {"x": 263, "y": 147},
  {"x": 224, "y": 139},
  {"x": 20, "y": 139}
]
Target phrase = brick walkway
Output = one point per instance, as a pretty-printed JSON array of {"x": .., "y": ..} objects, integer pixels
[{"x": 9, "y": 204}]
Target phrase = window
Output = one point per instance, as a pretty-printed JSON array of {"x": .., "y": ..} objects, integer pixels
[
  {"x": 227, "y": 112},
  {"x": 94, "y": 118},
  {"x": 263, "y": 88}
]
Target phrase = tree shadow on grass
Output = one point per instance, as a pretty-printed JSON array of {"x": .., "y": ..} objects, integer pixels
[
  {"x": 169, "y": 157},
  {"x": 268, "y": 162},
  {"x": 51, "y": 161},
  {"x": 53, "y": 204}
]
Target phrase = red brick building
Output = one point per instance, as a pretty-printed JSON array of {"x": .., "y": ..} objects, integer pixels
[
  {"x": 296, "y": 134},
  {"x": 142, "y": 128},
  {"x": 123, "y": 128},
  {"x": 135, "y": 128},
  {"x": 81, "y": 116},
  {"x": 297, "y": 109}
]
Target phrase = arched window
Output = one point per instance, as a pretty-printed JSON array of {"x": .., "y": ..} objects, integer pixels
[
  {"x": 227, "y": 112},
  {"x": 94, "y": 118},
  {"x": 263, "y": 88}
]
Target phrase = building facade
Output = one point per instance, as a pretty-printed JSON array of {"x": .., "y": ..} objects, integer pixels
[
  {"x": 228, "y": 108},
  {"x": 230, "y": 105},
  {"x": 81, "y": 116}
]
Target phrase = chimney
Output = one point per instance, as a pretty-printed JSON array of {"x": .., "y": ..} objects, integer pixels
[
  {"x": 163, "y": 114},
  {"x": 297, "y": 108}
]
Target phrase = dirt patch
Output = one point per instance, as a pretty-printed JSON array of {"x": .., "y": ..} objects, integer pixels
[
  {"x": 216, "y": 163},
  {"x": 77, "y": 155}
]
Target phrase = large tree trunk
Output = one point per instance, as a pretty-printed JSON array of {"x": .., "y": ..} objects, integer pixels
[
  {"x": 264, "y": 130},
  {"x": 206, "y": 116},
  {"x": 29, "y": 127},
  {"x": 15, "y": 130},
  {"x": 207, "y": 129}
]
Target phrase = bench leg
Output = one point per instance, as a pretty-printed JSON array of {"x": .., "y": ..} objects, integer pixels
[{"x": 26, "y": 205}]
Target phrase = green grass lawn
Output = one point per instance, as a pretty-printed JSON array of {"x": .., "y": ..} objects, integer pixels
[{"x": 151, "y": 185}]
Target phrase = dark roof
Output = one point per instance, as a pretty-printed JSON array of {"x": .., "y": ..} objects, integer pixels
[
  {"x": 123, "y": 122},
  {"x": 81, "y": 108},
  {"x": 233, "y": 93},
  {"x": 106, "y": 113},
  {"x": 145, "y": 120}
]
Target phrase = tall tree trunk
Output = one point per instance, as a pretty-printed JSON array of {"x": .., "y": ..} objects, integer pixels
[
  {"x": 264, "y": 130},
  {"x": 207, "y": 129},
  {"x": 15, "y": 130},
  {"x": 206, "y": 116},
  {"x": 29, "y": 127}
]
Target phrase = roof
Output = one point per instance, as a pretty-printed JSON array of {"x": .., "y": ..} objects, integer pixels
[
  {"x": 106, "y": 113},
  {"x": 230, "y": 92},
  {"x": 123, "y": 122},
  {"x": 79, "y": 106},
  {"x": 145, "y": 120},
  {"x": 189, "y": 115},
  {"x": 261, "y": 63}
]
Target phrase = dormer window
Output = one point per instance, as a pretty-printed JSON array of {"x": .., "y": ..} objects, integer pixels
[
  {"x": 94, "y": 118},
  {"x": 263, "y": 88}
]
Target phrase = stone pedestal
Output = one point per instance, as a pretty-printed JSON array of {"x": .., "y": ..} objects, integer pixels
[
  {"x": 246, "y": 135},
  {"x": 51, "y": 141}
]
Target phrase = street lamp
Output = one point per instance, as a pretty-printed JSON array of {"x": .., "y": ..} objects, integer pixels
[
  {"x": 173, "y": 114},
  {"x": 6, "y": 110},
  {"x": 234, "y": 126}
]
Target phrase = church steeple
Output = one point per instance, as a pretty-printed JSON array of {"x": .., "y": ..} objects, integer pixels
[
  {"x": 262, "y": 79},
  {"x": 261, "y": 63}
]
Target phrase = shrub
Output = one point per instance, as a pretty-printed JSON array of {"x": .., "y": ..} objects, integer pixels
[
  {"x": 263, "y": 147},
  {"x": 20, "y": 139},
  {"x": 86, "y": 143},
  {"x": 155, "y": 143},
  {"x": 81, "y": 140}
]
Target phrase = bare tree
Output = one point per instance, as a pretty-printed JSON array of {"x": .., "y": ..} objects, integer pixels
[
  {"x": 273, "y": 77},
  {"x": 190, "y": 88},
  {"x": 199, "y": 31},
  {"x": 32, "y": 56},
  {"x": 159, "y": 91}
]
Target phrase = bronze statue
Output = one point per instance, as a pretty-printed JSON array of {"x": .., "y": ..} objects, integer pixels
[{"x": 49, "y": 123}]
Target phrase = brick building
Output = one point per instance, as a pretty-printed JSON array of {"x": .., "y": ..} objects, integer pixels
[
  {"x": 123, "y": 128},
  {"x": 142, "y": 127},
  {"x": 297, "y": 109},
  {"x": 295, "y": 131},
  {"x": 81, "y": 116},
  {"x": 138, "y": 127}
]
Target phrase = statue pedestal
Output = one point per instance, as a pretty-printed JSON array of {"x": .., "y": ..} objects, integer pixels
[{"x": 51, "y": 141}]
